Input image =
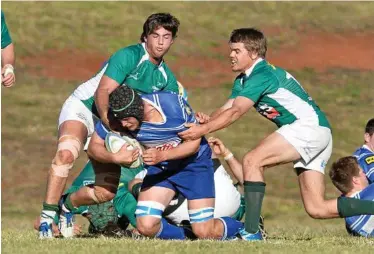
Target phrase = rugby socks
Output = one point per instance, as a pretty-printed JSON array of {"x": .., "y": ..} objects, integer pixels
[
  {"x": 230, "y": 227},
  {"x": 67, "y": 203},
  {"x": 254, "y": 194},
  {"x": 348, "y": 207},
  {"x": 49, "y": 213},
  {"x": 170, "y": 232}
]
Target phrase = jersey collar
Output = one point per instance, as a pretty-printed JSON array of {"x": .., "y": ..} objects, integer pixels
[
  {"x": 249, "y": 71},
  {"x": 368, "y": 148},
  {"x": 147, "y": 56}
]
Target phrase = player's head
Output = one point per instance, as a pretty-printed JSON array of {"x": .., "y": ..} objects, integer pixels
[
  {"x": 127, "y": 107},
  {"x": 159, "y": 32},
  {"x": 369, "y": 134},
  {"x": 347, "y": 175},
  {"x": 246, "y": 46}
]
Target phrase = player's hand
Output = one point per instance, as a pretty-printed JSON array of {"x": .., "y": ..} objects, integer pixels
[
  {"x": 194, "y": 132},
  {"x": 125, "y": 156},
  {"x": 152, "y": 156},
  {"x": 8, "y": 78},
  {"x": 202, "y": 117},
  {"x": 217, "y": 146}
]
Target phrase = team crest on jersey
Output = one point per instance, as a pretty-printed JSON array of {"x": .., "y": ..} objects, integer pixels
[
  {"x": 369, "y": 160},
  {"x": 188, "y": 110},
  {"x": 268, "y": 111}
]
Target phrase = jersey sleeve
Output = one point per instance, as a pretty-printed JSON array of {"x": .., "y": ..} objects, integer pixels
[
  {"x": 5, "y": 36},
  {"x": 121, "y": 64},
  {"x": 236, "y": 88},
  {"x": 367, "y": 165},
  {"x": 254, "y": 87},
  {"x": 101, "y": 130}
]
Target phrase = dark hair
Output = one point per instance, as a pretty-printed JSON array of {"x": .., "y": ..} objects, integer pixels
[
  {"x": 125, "y": 102},
  {"x": 370, "y": 127},
  {"x": 342, "y": 171},
  {"x": 157, "y": 20},
  {"x": 254, "y": 40}
]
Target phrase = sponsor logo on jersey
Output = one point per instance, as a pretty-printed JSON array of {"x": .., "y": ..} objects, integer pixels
[
  {"x": 369, "y": 160},
  {"x": 134, "y": 76},
  {"x": 268, "y": 111}
]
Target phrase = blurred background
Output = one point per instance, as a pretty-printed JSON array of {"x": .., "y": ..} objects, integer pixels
[{"x": 326, "y": 46}]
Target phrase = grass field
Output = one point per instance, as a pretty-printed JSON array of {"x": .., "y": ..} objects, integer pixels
[{"x": 30, "y": 109}]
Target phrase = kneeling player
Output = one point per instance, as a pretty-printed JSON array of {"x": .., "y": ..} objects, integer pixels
[{"x": 349, "y": 178}]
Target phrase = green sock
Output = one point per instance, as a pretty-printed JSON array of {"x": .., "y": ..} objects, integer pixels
[
  {"x": 348, "y": 207},
  {"x": 68, "y": 204},
  {"x": 254, "y": 194},
  {"x": 49, "y": 207}
]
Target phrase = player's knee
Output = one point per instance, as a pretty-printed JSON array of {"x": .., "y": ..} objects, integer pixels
[
  {"x": 64, "y": 157},
  {"x": 251, "y": 163},
  {"x": 316, "y": 211},
  {"x": 147, "y": 226}
]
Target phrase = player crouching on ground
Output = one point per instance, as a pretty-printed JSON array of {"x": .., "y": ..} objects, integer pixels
[{"x": 349, "y": 178}]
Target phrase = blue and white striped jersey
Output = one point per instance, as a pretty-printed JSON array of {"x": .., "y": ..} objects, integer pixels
[
  {"x": 363, "y": 224},
  {"x": 365, "y": 158},
  {"x": 175, "y": 112}
]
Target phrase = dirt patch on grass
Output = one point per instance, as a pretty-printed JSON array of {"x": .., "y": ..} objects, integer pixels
[{"x": 316, "y": 50}]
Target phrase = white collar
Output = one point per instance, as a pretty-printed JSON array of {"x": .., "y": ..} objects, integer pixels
[
  {"x": 366, "y": 147},
  {"x": 147, "y": 54},
  {"x": 249, "y": 71}
]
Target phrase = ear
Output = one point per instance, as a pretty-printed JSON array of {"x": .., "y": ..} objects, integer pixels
[
  {"x": 253, "y": 55},
  {"x": 367, "y": 137}
]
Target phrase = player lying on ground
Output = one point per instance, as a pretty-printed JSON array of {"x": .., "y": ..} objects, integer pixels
[
  {"x": 365, "y": 154},
  {"x": 139, "y": 66},
  {"x": 349, "y": 178},
  {"x": 186, "y": 168}
]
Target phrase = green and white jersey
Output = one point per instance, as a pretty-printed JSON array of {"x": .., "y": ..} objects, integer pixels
[
  {"x": 130, "y": 66},
  {"x": 277, "y": 95},
  {"x": 5, "y": 36}
]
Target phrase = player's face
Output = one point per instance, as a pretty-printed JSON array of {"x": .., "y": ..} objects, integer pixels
[
  {"x": 130, "y": 123},
  {"x": 362, "y": 178},
  {"x": 158, "y": 43},
  {"x": 369, "y": 140},
  {"x": 241, "y": 59}
]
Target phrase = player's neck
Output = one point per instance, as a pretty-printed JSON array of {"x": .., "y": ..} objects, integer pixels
[
  {"x": 356, "y": 189},
  {"x": 151, "y": 114}
]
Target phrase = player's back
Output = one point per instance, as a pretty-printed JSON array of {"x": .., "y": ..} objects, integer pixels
[
  {"x": 364, "y": 224},
  {"x": 175, "y": 113}
]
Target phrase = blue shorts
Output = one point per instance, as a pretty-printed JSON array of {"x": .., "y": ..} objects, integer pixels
[{"x": 192, "y": 177}]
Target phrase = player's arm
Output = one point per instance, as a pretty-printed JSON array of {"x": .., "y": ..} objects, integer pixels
[
  {"x": 106, "y": 86},
  {"x": 7, "y": 55},
  {"x": 97, "y": 150},
  {"x": 221, "y": 150},
  {"x": 227, "y": 105},
  {"x": 153, "y": 156},
  {"x": 118, "y": 67}
]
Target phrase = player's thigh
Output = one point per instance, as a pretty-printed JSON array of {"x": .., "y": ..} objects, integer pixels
[
  {"x": 151, "y": 205},
  {"x": 75, "y": 119},
  {"x": 272, "y": 150},
  {"x": 227, "y": 199},
  {"x": 107, "y": 175}
]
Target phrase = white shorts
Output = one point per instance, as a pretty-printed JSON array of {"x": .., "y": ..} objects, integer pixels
[
  {"x": 227, "y": 200},
  {"x": 74, "y": 109},
  {"x": 314, "y": 144}
]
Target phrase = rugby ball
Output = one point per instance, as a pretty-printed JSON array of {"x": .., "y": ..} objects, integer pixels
[{"x": 114, "y": 142}]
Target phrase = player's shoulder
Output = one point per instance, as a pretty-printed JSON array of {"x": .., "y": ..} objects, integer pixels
[
  {"x": 133, "y": 51},
  {"x": 364, "y": 155},
  {"x": 261, "y": 73}
]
